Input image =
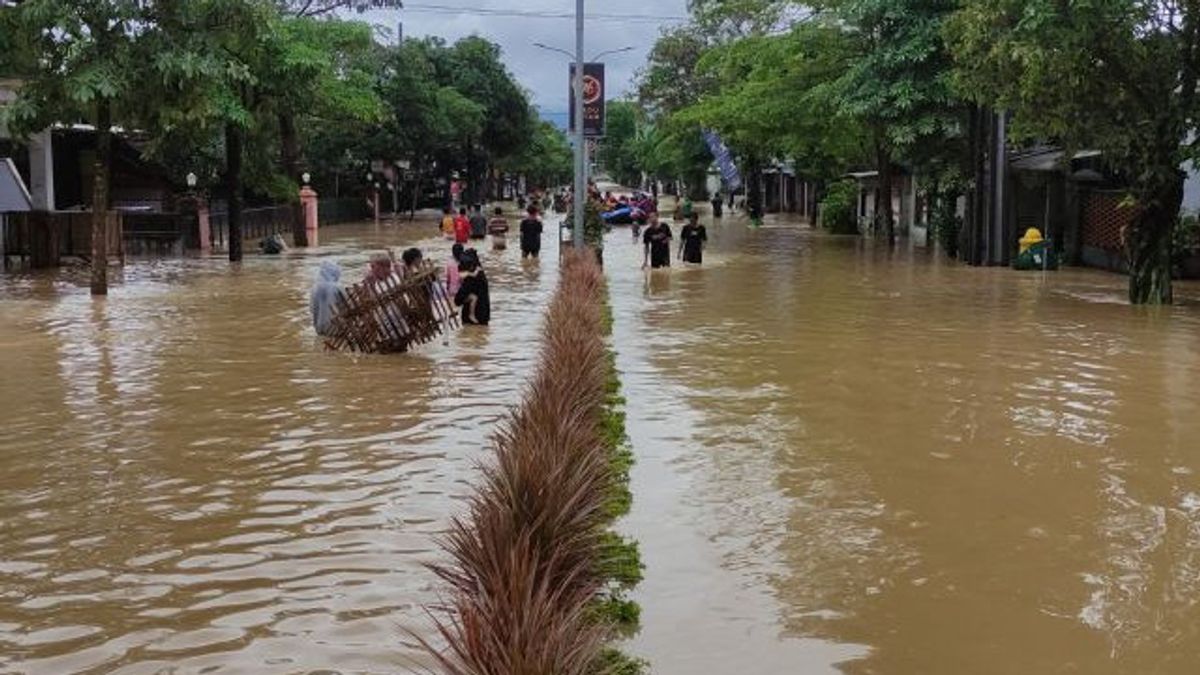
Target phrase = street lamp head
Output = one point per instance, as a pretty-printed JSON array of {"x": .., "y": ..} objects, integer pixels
[
  {"x": 191, "y": 180},
  {"x": 305, "y": 177}
]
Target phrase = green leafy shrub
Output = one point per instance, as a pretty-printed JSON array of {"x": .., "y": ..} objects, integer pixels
[{"x": 839, "y": 208}]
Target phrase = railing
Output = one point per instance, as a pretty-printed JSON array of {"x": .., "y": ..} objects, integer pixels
[
  {"x": 257, "y": 224},
  {"x": 45, "y": 237},
  {"x": 342, "y": 210},
  {"x": 160, "y": 233}
]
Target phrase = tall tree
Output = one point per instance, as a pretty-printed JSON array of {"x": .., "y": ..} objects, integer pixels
[
  {"x": 899, "y": 84},
  {"x": 1115, "y": 75},
  {"x": 210, "y": 58},
  {"x": 312, "y": 71},
  {"x": 85, "y": 68},
  {"x": 617, "y": 152},
  {"x": 776, "y": 99}
]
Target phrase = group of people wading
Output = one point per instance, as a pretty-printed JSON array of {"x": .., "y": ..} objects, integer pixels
[{"x": 464, "y": 281}]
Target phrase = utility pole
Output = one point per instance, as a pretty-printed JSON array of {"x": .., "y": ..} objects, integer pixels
[{"x": 580, "y": 145}]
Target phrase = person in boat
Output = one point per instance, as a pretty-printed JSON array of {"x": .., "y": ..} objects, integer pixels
[
  {"x": 531, "y": 234},
  {"x": 479, "y": 223},
  {"x": 322, "y": 302},
  {"x": 472, "y": 295},
  {"x": 657, "y": 241},
  {"x": 498, "y": 228},
  {"x": 692, "y": 239}
]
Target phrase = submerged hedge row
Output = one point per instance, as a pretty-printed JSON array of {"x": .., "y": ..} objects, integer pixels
[{"x": 537, "y": 580}]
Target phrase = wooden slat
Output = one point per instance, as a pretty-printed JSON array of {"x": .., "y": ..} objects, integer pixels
[{"x": 392, "y": 315}]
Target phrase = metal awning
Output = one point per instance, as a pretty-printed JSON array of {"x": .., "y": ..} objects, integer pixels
[
  {"x": 14, "y": 196},
  {"x": 1049, "y": 160}
]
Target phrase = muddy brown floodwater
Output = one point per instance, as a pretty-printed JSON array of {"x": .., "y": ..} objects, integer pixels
[
  {"x": 189, "y": 484},
  {"x": 849, "y": 460},
  {"x": 865, "y": 462}
]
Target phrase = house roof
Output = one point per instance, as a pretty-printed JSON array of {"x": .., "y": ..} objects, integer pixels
[{"x": 13, "y": 195}]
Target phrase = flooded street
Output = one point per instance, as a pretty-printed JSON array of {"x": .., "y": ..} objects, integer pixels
[
  {"x": 874, "y": 463},
  {"x": 849, "y": 460},
  {"x": 190, "y": 484}
]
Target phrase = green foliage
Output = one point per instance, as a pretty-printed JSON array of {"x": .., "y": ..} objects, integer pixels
[
  {"x": 619, "y": 153},
  {"x": 775, "y": 99},
  {"x": 1186, "y": 241},
  {"x": 70, "y": 57},
  {"x": 545, "y": 160},
  {"x": 839, "y": 208},
  {"x": 593, "y": 225},
  {"x": 613, "y": 661},
  {"x": 620, "y": 560},
  {"x": 670, "y": 80},
  {"x": 1118, "y": 76},
  {"x": 899, "y": 81}
]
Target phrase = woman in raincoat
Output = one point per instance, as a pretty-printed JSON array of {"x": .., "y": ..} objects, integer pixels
[{"x": 325, "y": 294}]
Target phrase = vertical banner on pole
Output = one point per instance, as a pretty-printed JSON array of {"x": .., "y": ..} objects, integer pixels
[
  {"x": 724, "y": 159},
  {"x": 593, "y": 99}
]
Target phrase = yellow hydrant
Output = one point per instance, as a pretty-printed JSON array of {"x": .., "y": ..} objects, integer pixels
[{"x": 1032, "y": 236}]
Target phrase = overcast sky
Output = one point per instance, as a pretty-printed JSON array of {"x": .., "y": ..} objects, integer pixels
[{"x": 543, "y": 73}]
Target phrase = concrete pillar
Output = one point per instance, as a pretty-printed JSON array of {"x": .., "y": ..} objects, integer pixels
[
  {"x": 308, "y": 202},
  {"x": 41, "y": 171},
  {"x": 203, "y": 225}
]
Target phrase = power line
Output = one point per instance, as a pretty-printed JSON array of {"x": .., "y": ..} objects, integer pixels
[{"x": 531, "y": 14}]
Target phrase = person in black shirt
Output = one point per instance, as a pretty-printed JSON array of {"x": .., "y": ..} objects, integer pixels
[
  {"x": 657, "y": 240},
  {"x": 473, "y": 294},
  {"x": 531, "y": 234},
  {"x": 479, "y": 223},
  {"x": 692, "y": 238}
]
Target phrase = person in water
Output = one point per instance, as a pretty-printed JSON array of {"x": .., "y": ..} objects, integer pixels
[
  {"x": 325, "y": 294},
  {"x": 717, "y": 204},
  {"x": 531, "y": 234},
  {"x": 412, "y": 260},
  {"x": 692, "y": 239},
  {"x": 462, "y": 227},
  {"x": 448, "y": 222},
  {"x": 473, "y": 295},
  {"x": 453, "y": 278},
  {"x": 657, "y": 241},
  {"x": 378, "y": 269},
  {"x": 498, "y": 228},
  {"x": 479, "y": 223},
  {"x": 688, "y": 207}
]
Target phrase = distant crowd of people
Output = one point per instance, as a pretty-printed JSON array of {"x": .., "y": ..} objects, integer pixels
[{"x": 464, "y": 282}]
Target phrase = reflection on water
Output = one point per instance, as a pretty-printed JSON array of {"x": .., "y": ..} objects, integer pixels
[
  {"x": 190, "y": 482},
  {"x": 877, "y": 462},
  {"x": 849, "y": 460}
]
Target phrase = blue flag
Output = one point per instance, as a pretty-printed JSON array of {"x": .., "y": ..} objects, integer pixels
[{"x": 724, "y": 158}]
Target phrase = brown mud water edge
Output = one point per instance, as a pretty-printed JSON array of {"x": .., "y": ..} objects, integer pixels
[
  {"x": 391, "y": 315},
  {"x": 536, "y": 579}
]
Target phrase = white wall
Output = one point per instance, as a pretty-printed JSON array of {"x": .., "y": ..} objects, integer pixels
[{"x": 1191, "y": 190}]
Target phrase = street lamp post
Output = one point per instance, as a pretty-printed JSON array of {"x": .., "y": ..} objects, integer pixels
[
  {"x": 581, "y": 160},
  {"x": 580, "y": 195}
]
